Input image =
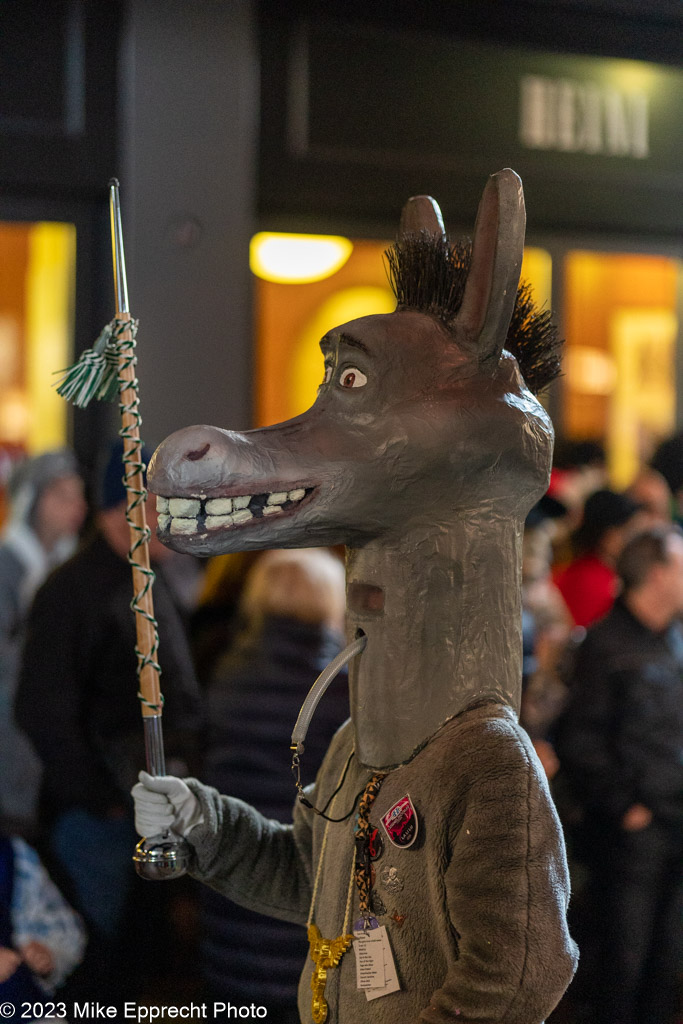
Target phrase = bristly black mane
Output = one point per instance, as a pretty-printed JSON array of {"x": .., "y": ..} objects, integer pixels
[{"x": 428, "y": 275}]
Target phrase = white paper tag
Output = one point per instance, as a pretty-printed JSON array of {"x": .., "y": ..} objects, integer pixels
[
  {"x": 369, "y": 947},
  {"x": 375, "y": 969}
]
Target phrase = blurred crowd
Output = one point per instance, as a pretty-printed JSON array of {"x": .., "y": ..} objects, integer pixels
[
  {"x": 603, "y": 703},
  {"x": 242, "y": 638}
]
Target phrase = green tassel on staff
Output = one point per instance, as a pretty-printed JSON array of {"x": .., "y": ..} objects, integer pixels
[{"x": 95, "y": 374}]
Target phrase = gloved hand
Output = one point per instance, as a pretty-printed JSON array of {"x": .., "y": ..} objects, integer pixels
[{"x": 163, "y": 802}]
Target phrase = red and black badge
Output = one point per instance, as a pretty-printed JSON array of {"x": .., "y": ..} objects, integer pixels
[{"x": 400, "y": 823}]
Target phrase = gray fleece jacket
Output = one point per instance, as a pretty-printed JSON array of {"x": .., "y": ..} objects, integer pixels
[{"x": 483, "y": 890}]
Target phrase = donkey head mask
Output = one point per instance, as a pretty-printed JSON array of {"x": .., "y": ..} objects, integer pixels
[{"x": 423, "y": 453}]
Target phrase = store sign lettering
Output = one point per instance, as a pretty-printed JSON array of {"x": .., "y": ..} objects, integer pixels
[{"x": 582, "y": 117}]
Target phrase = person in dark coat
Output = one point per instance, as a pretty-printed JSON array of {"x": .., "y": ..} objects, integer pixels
[
  {"x": 620, "y": 744},
  {"x": 76, "y": 701},
  {"x": 293, "y": 605}
]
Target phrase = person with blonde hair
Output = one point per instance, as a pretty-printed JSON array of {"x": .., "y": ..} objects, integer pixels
[
  {"x": 293, "y": 609},
  {"x": 305, "y": 584}
]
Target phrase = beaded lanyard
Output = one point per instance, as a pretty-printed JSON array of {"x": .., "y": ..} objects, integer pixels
[
  {"x": 327, "y": 953},
  {"x": 362, "y": 870}
]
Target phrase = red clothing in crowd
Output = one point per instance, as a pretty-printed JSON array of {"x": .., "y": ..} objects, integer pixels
[{"x": 589, "y": 588}]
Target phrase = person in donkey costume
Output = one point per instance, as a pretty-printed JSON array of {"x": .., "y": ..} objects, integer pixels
[{"x": 435, "y": 855}]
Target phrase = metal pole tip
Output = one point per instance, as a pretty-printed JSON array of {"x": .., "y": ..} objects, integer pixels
[{"x": 113, "y": 183}]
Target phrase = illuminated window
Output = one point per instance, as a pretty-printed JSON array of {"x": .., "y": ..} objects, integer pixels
[
  {"x": 621, "y": 329},
  {"x": 37, "y": 271},
  {"x": 537, "y": 270}
]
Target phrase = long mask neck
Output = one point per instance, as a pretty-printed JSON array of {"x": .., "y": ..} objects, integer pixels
[{"x": 441, "y": 607}]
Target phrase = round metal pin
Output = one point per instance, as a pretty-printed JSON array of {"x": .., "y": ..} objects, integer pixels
[{"x": 390, "y": 879}]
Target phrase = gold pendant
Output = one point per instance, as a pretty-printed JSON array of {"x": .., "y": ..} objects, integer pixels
[{"x": 325, "y": 953}]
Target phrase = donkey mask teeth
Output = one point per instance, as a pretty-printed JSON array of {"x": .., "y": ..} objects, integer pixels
[
  {"x": 217, "y": 522},
  {"x": 183, "y": 526},
  {"x": 187, "y": 516},
  {"x": 219, "y": 506},
  {"x": 243, "y": 515},
  {"x": 277, "y": 498},
  {"x": 184, "y": 508}
]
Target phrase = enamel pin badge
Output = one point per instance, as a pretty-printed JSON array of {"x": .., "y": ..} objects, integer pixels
[{"x": 400, "y": 823}]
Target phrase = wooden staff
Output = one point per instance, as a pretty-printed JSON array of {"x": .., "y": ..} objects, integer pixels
[
  {"x": 165, "y": 856},
  {"x": 107, "y": 371},
  {"x": 143, "y": 605}
]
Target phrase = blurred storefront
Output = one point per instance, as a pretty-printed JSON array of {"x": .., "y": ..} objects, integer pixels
[
  {"x": 57, "y": 103},
  {"x": 227, "y": 121},
  {"x": 622, "y": 327},
  {"x": 361, "y": 117},
  {"x": 620, "y": 316}
]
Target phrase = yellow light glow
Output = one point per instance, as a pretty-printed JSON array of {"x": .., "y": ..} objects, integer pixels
[
  {"x": 297, "y": 259},
  {"x": 15, "y": 416},
  {"x": 589, "y": 370},
  {"x": 643, "y": 409},
  {"x": 537, "y": 270},
  {"x": 633, "y": 75},
  {"x": 49, "y": 303}
]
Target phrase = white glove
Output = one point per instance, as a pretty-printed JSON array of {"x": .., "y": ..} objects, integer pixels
[{"x": 164, "y": 802}]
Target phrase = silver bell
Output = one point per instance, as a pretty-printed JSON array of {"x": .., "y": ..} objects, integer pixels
[{"x": 162, "y": 857}]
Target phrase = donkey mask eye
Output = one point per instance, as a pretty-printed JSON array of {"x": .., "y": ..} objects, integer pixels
[
  {"x": 352, "y": 377},
  {"x": 328, "y": 375}
]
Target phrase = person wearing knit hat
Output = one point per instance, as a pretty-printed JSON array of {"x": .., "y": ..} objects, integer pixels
[
  {"x": 111, "y": 490},
  {"x": 47, "y": 509}
]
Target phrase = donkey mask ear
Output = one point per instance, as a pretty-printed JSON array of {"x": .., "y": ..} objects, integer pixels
[
  {"x": 421, "y": 213},
  {"x": 497, "y": 249}
]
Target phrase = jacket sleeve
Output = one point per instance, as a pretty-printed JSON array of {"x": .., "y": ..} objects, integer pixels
[
  {"x": 650, "y": 744},
  {"x": 50, "y": 703},
  {"x": 254, "y": 861},
  {"x": 586, "y": 736},
  {"x": 9, "y": 623},
  {"x": 506, "y": 892}
]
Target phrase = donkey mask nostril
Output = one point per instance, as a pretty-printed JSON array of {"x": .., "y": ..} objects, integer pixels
[{"x": 198, "y": 454}]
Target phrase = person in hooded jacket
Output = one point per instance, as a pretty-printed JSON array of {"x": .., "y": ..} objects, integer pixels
[{"x": 47, "y": 509}]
